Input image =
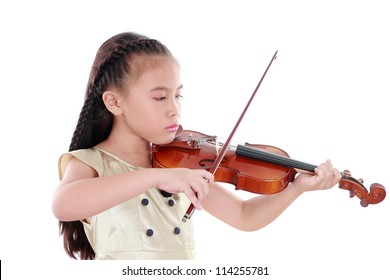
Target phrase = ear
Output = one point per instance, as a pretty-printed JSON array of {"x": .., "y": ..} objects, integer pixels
[{"x": 110, "y": 99}]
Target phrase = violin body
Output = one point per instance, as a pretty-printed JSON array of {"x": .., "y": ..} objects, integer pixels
[{"x": 195, "y": 150}]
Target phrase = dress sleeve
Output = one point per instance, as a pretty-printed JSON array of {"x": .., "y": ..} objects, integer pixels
[{"x": 91, "y": 157}]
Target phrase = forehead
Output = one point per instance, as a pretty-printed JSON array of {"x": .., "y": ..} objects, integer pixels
[
  {"x": 141, "y": 64},
  {"x": 156, "y": 71}
]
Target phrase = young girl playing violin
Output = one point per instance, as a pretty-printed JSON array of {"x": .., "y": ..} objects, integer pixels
[{"x": 110, "y": 202}]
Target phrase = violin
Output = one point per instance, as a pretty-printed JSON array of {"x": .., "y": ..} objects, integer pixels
[{"x": 260, "y": 169}]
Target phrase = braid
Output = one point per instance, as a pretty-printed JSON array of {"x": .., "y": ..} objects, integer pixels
[
  {"x": 110, "y": 68},
  {"x": 81, "y": 124}
]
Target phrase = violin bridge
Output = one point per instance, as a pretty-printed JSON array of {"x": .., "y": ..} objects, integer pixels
[
  {"x": 189, "y": 141},
  {"x": 192, "y": 142},
  {"x": 217, "y": 148}
]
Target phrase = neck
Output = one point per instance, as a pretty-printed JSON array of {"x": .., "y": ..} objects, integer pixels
[
  {"x": 273, "y": 158},
  {"x": 133, "y": 150}
]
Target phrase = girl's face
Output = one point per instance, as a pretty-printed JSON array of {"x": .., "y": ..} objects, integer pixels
[{"x": 151, "y": 104}]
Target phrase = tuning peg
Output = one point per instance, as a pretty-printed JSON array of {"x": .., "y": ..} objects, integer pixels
[{"x": 347, "y": 173}]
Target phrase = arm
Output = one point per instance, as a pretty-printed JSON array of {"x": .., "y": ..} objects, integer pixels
[
  {"x": 82, "y": 194},
  {"x": 260, "y": 211}
]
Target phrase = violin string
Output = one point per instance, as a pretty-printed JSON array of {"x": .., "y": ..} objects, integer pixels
[{"x": 273, "y": 158}]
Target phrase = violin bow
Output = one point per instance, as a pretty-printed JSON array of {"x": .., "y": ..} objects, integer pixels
[{"x": 221, "y": 154}]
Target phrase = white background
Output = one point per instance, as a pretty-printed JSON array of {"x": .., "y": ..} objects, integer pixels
[{"x": 326, "y": 96}]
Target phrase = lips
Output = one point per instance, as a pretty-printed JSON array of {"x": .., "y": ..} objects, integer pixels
[{"x": 172, "y": 127}]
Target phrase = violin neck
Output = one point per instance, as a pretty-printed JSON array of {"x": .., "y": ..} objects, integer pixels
[{"x": 263, "y": 155}]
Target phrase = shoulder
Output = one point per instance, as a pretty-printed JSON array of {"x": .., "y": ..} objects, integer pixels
[{"x": 90, "y": 158}]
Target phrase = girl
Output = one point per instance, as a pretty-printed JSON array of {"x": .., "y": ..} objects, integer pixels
[{"x": 110, "y": 203}]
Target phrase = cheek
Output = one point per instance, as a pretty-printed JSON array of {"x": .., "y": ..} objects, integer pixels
[
  {"x": 136, "y": 107},
  {"x": 143, "y": 116}
]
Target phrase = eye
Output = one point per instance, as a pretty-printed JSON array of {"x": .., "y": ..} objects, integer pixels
[
  {"x": 160, "y": 98},
  {"x": 178, "y": 96}
]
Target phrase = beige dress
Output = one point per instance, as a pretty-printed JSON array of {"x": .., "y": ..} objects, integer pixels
[{"x": 148, "y": 226}]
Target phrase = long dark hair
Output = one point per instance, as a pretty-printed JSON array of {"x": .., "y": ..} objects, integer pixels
[{"x": 111, "y": 66}]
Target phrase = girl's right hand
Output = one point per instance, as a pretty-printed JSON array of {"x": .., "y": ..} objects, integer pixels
[{"x": 193, "y": 183}]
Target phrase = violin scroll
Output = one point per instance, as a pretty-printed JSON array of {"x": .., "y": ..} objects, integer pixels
[{"x": 355, "y": 187}]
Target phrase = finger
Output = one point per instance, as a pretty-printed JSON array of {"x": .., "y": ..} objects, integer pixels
[
  {"x": 328, "y": 174},
  {"x": 320, "y": 171},
  {"x": 333, "y": 174},
  {"x": 198, "y": 190},
  {"x": 205, "y": 183},
  {"x": 323, "y": 176},
  {"x": 205, "y": 179},
  {"x": 327, "y": 167},
  {"x": 209, "y": 177},
  {"x": 337, "y": 176},
  {"x": 203, "y": 190},
  {"x": 192, "y": 196}
]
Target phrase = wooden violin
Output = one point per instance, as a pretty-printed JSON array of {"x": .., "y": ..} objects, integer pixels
[{"x": 260, "y": 169}]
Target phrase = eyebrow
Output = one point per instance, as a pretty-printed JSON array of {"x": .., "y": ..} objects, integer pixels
[{"x": 164, "y": 88}]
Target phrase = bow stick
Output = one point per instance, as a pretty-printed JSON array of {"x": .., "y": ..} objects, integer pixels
[{"x": 221, "y": 154}]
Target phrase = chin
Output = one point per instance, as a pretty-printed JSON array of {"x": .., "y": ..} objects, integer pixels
[{"x": 164, "y": 140}]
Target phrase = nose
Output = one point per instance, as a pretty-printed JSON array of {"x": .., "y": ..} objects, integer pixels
[{"x": 174, "y": 108}]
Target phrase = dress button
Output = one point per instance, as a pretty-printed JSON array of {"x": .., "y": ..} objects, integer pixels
[
  {"x": 145, "y": 201},
  {"x": 149, "y": 232},
  {"x": 171, "y": 202},
  {"x": 165, "y": 194},
  {"x": 176, "y": 230}
]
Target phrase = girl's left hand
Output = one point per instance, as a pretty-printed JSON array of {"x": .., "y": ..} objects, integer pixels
[{"x": 325, "y": 177}]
